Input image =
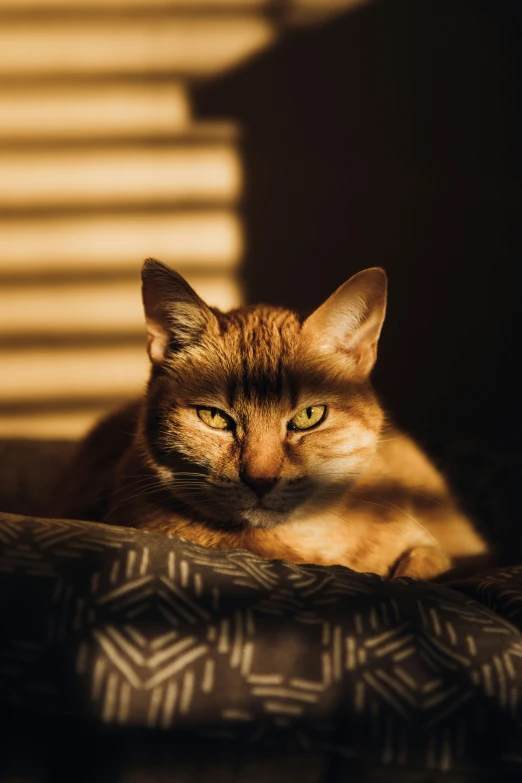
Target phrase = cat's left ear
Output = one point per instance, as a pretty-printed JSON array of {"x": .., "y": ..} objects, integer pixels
[
  {"x": 176, "y": 316},
  {"x": 350, "y": 321}
]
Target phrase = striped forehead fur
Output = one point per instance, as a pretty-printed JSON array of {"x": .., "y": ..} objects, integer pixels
[
  {"x": 250, "y": 359},
  {"x": 262, "y": 341}
]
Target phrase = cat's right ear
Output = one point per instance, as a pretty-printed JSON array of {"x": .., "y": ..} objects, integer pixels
[{"x": 176, "y": 316}]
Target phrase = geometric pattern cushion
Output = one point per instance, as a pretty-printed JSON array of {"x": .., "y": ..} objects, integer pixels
[{"x": 137, "y": 629}]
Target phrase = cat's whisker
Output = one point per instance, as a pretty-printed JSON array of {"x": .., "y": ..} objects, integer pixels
[
  {"x": 160, "y": 485},
  {"x": 191, "y": 493},
  {"x": 427, "y": 497},
  {"x": 348, "y": 520},
  {"x": 389, "y": 525},
  {"x": 391, "y": 505},
  {"x": 153, "y": 484},
  {"x": 174, "y": 473},
  {"x": 143, "y": 492},
  {"x": 130, "y": 498},
  {"x": 141, "y": 482},
  {"x": 409, "y": 489},
  {"x": 146, "y": 490},
  {"x": 395, "y": 437}
]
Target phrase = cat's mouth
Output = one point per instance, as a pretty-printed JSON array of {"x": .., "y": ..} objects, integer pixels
[
  {"x": 257, "y": 513},
  {"x": 223, "y": 504}
]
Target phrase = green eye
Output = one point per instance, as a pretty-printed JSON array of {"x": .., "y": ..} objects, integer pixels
[
  {"x": 215, "y": 418},
  {"x": 307, "y": 418}
]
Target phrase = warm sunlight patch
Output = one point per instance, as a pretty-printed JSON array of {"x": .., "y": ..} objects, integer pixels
[
  {"x": 94, "y": 308},
  {"x": 99, "y": 111},
  {"x": 105, "y": 242},
  {"x": 128, "y": 175},
  {"x": 197, "y": 45},
  {"x": 74, "y": 373}
]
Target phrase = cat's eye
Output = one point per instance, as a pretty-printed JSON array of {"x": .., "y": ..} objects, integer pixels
[
  {"x": 308, "y": 418},
  {"x": 215, "y": 418}
]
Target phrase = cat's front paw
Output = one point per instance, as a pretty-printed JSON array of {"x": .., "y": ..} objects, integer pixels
[{"x": 422, "y": 562}]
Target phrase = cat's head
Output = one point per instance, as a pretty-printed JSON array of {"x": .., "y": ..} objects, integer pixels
[{"x": 256, "y": 415}]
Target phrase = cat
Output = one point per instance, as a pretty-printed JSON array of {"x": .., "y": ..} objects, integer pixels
[{"x": 260, "y": 430}]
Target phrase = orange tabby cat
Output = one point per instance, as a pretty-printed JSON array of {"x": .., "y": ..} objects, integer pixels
[{"x": 261, "y": 430}]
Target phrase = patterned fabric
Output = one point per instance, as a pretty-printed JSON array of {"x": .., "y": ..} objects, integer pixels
[{"x": 135, "y": 629}]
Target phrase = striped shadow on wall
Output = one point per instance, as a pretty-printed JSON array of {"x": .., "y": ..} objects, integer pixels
[{"x": 102, "y": 165}]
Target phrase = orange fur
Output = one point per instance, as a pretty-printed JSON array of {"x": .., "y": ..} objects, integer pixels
[{"x": 351, "y": 490}]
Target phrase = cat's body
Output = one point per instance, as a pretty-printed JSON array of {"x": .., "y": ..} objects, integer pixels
[{"x": 262, "y": 431}]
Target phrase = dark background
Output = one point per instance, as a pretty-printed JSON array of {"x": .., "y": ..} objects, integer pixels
[{"x": 391, "y": 136}]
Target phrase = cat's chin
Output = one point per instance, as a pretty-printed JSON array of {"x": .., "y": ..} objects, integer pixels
[{"x": 263, "y": 518}]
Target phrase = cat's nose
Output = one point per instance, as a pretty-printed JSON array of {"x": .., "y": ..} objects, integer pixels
[{"x": 261, "y": 485}]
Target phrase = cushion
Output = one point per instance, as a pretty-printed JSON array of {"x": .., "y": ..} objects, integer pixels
[{"x": 136, "y": 629}]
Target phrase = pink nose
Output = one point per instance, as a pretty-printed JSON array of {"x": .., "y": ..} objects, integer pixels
[{"x": 261, "y": 485}]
